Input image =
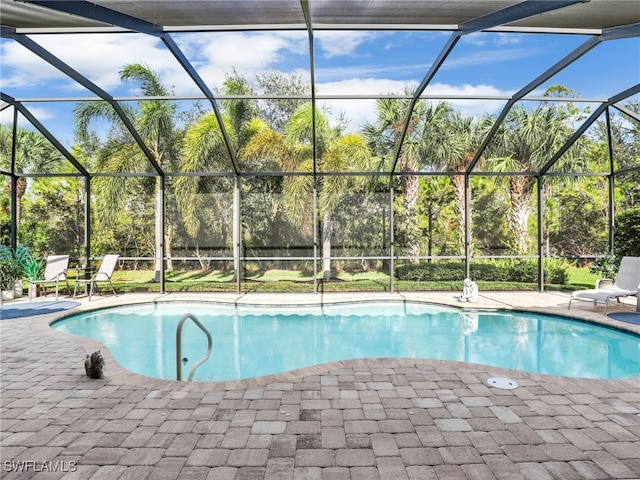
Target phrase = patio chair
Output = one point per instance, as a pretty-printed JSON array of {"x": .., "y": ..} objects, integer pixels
[
  {"x": 626, "y": 284},
  {"x": 55, "y": 271},
  {"x": 103, "y": 275}
]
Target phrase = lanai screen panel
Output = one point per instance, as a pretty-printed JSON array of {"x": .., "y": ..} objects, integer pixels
[
  {"x": 625, "y": 130},
  {"x": 200, "y": 221},
  {"x": 576, "y": 216},
  {"x": 34, "y": 153},
  {"x": 599, "y": 74},
  {"x": 221, "y": 56},
  {"x": 61, "y": 203},
  {"x": 26, "y": 75},
  {"x": 273, "y": 225}
]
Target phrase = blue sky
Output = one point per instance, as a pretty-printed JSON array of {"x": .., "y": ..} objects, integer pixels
[{"x": 346, "y": 63}]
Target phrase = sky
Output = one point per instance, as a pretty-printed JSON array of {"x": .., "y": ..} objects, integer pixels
[{"x": 346, "y": 63}]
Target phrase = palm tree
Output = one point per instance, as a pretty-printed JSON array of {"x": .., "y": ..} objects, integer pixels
[
  {"x": 526, "y": 141},
  {"x": 205, "y": 149},
  {"x": 452, "y": 145},
  {"x": 294, "y": 151},
  {"x": 155, "y": 122},
  {"x": 422, "y": 141},
  {"x": 33, "y": 154}
]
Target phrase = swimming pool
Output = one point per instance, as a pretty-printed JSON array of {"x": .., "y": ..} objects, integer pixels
[{"x": 251, "y": 341}]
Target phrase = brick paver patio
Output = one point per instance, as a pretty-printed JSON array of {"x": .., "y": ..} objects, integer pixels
[{"x": 363, "y": 419}]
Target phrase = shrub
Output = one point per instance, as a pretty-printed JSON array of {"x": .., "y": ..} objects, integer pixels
[
  {"x": 506, "y": 270},
  {"x": 627, "y": 238},
  {"x": 606, "y": 267}
]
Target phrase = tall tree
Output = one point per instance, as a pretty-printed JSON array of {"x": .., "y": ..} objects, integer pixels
[
  {"x": 155, "y": 121},
  {"x": 33, "y": 154},
  {"x": 525, "y": 142},
  {"x": 452, "y": 145},
  {"x": 422, "y": 139},
  {"x": 294, "y": 150},
  {"x": 205, "y": 149},
  {"x": 280, "y": 91}
]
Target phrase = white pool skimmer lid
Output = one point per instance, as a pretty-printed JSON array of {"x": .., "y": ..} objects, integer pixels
[{"x": 502, "y": 383}]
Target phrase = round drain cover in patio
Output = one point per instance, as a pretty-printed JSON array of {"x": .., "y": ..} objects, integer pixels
[{"x": 503, "y": 383}]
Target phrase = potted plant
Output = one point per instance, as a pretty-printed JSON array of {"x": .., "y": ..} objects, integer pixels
[
  {"x": 32, "y": 268},
  {"x": 10, "y": 272}
]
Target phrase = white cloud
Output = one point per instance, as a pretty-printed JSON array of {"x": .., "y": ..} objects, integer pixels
[
  {"x": 495, "y": 38},
  {"x": 360, "y": 112},
  {"x": 371, "y": 71},
  {"x": 23, "y": 69},
  {"x": 214, "y": 55},
  {"x": 101, "y": 56},
  {"x": 472, "y": 106},
  {"x": 339, "y": 43},
  {"x": 485, "y": 57},
  {"x": 98, "y": 57}
]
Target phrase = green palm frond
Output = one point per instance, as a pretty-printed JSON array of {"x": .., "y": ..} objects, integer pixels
[
  {"x": 205, "y": 148},
  {"x": 239, "y": 111},
  {"x": 298, "y": 199},
  {"x": 33, "y": 152},
  {"x": 189, "y": 203},
  {"x": 264, "y": 144},
  {"x": 147, "y": 77},
  {"x": 84, "y": 113},
  {"x": 300, "y": 128}
]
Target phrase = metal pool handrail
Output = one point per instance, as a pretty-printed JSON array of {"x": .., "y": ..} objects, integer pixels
[{"x": 179, "y": 346}]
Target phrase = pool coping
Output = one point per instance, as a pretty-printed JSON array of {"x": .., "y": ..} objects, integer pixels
[{"x": 489, "y": 301}]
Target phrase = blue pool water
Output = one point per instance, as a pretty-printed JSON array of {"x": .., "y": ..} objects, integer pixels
[{"x": 251, "y": 341}]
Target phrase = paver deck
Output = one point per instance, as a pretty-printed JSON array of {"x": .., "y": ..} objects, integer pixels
[{"x": 363, "y": 419}]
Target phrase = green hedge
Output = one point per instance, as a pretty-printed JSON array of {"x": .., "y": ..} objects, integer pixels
[{"x": 507, "y": 270}]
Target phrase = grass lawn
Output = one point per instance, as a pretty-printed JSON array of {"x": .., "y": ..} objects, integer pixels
[
  {"x": 302, "y": 281},
  {"x": 583, "y": 277}
]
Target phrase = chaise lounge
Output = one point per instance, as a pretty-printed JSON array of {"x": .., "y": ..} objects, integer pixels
[{"x": 626, "y": 284}]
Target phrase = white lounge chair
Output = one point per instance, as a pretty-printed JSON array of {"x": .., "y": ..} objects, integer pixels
[
  {"x": 107, "y": 266},
  {"x": 626, "y": 284},
  {"x": 55, "y": 271}
]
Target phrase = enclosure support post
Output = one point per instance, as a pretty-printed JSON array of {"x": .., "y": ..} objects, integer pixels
[
  {"x": 540, "y": 235},
  {"x": 14, "y": 183},
  {"x": 237, "y": 237},
  {"x": 392, "y": 266},
  {"x": 87, "y": 221},
  {"x": 315, "y": 236},
  {"x": 161, "y": 254},
  {"x": 611, "y": 178},
  {"x": 467, "y": 227}
]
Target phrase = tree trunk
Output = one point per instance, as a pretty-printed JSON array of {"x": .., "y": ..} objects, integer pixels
[
  {"x": 520, "y": 193},
  {"x": 326, "y": 246},
  {"x": 459, "y": 196},
  {"x": 21, "y": 188},
  {"x": 410, "y": 187}
]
